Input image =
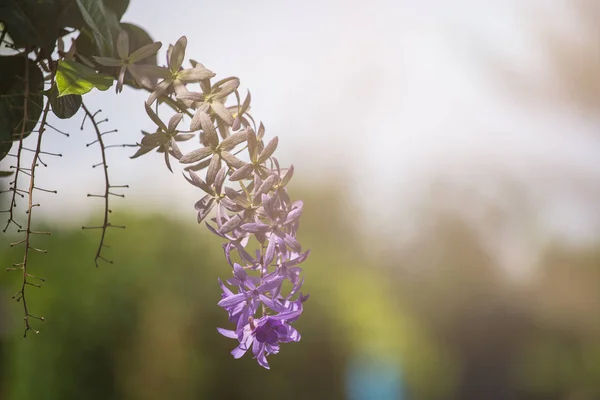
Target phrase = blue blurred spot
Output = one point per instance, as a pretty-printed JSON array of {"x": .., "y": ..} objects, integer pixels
[{"x": 368, "y": 379}]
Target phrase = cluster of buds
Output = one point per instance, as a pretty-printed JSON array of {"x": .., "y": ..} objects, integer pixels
[{"x": 245, "y": 202}]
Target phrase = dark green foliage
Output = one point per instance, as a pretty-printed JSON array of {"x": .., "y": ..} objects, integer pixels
[
  {"x": 117, "y": 6},
  {"x": 145, "y": 328},
  {"x": 33, "y": 28},
  {"x": 34, "y": 23},
  {"x": 66, "y": 106},
  {"x": 12, "y": 99},
  {"x": 103, "y": 23},
  {"x": 75, "y": 78}
]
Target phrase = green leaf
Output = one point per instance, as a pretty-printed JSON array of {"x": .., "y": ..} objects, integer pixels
[
  {"x": 85, "y": 44},
  {"x": 75, "y": 78},
  {"x": 70, "y": 16},
  {"x": 39, "y": 23},
  {"x": 13, "y": 121},
  {"x": 117, "y": 6},
  {"x": 5, "y": 174},
  {"x": 66, "y": 106},
  {"x": 103, "y": 22},
  {"x": 31, "y": 22},
  {"x": 4, "y": 149}
]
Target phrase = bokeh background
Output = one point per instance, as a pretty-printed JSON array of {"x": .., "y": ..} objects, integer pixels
[{"x": 449, "y": 159}]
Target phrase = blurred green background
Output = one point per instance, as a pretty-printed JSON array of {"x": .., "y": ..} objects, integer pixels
[
  {"x": 438, "y": 313},
  {"x": 448, "y": 157}
]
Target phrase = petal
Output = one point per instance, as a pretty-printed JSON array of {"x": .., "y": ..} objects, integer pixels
[
  {"x": 195, "y": 180},
  {"x": 203, "y": 212},
  {"x": 292, "y": 335},
  {"x": 246, "y": 104},
  {"x": 182, "y": 137},
  {"x": 237, "y": 123},
  {"x": 153, "y": 139},
  {"x": 270, "y": 253},
  {"x": 146, "y": 75},
  {"x": 293, "y": 215},
  {"x": 220, "y": 179},
  {"x": 261, "y": 132},
  {"x": 231, "y": 160},
  {"x": 142, "y": 150},
  {"x": 222, "y": 112},
  {"x": 252, "y": 145},
  {"x": 119, "y": 86},
  {"x": 255, "y": 227},
  {"x": 174, "y": 121},
  {"x": 239, "y": 272},
  {"x": 259, "y": 353},
  {"x": 238, "y": 352},
  {"x": 214, "y": 231},
  {"x": 288, "y": 314},
  {"x": 200, "y": 166},
  {"x": 174, "y": 151},
  {"x": 155, "y": 118},
  {"x": 181, "y": 90},
  {"x": 273, "y": 304},
  {"x": 236, "y": 197},
  {"x": 234, "y": 140},
  {"x": 298, "y": 260},
  {"x": 267, "y": 202},
  {"x": 281, "y": 329},
  {"x": 242, "y": 173},
  {"x": 270, "y": 284},
  {"x": 177, "y": 54},
  {"x": 288, "y": 175},
  {"x": 213, "y": 168},
  {"x": 295, "y": 289},
  {"x": 224, "y": 288},
  {"x": 227, "y": 333},
  {"x": 272, "y": 337},
  {"x": 232, "y": 300},
  {"x": 268, "y": 150},
  {"x": 261, "y": 335},
  {"x": 168, "y": 161},
  {"x": 225, "y": 87},
  {"x": 159, "y": 90},
  {"x": 264, "y": 188},
  {"x": 292, "y": 243},
  {"x": 194, "y": 96},
  {"x": 202, "y": 120},
  {"x": 123, "y": 44},
  {"x": 243, "y": 253},
  {"x": 192, "y": 75},
  {"x": 231, "y": 224},
  {"x": 196, "y": 155},
  {"x": 108, "y": 61},
  {"x": 145, "y": 52}
]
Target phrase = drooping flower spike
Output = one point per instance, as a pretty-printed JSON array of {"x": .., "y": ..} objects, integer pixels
[{"x": 244, "y": 187}]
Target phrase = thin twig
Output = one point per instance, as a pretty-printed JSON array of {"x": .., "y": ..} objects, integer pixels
[
  {"x": 20, "y": 148},
  {"x": 106, "y": 224},
  {"x": 34, "y": 164}
]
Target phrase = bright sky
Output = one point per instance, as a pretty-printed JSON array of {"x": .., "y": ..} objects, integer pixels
[{"x": 387, "y": 92}]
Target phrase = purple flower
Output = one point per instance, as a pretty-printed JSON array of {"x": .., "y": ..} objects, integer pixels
[
  {"x": 264, "y": 335},
  {"x": 287, "y": 270},
  {"x": 280, "y": 223},
  {"x": 269, "y": 332},
  {"x": 254, "y": 214},
  {"x": 244, "y": 304}
]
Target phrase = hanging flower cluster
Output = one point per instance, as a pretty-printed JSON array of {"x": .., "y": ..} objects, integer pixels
[{"x": 243, "y": 184}]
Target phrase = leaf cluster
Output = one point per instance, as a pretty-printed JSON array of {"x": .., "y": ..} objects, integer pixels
[{"x": 34, "y": 32}]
